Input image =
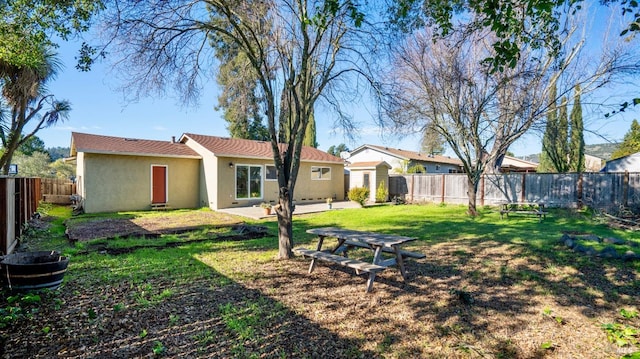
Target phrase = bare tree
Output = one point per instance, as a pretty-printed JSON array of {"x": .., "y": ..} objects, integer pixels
[
  {"x": 479, "y": 112},
  {"x": 300, "y": 48}
]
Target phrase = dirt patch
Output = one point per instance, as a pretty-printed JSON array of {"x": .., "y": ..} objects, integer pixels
[
  {"x": 84, "y": 229},
  {"x": 240, "y": 232}
]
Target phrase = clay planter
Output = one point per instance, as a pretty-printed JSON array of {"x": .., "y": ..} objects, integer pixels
[{"x": 33, "y": 270}]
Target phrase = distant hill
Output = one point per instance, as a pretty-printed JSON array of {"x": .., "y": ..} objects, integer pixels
[{"x": 601, "y": 150}]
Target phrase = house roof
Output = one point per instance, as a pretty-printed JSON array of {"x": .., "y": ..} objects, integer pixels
[
  {"x": 235, "y": 147},
  {"x": 84, "y": 142},
  {"x": 516, "y": 163},
  {"x": 372, "y": 164},
  {"x": 411, "y": 155}
]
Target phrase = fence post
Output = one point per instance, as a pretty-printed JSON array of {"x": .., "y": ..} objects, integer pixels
[
  {"x": 482, "y": 190},
  {"x": 412, "y": 188},
  {"x": 443, "y": 190},
  {"x": 580, "y": 193},
  {"x": 625, "y": 189},
  {"x": 524, "y": 188}
]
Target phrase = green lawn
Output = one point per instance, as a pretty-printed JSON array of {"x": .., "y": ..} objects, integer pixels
[{"x": 211, "y": 296}]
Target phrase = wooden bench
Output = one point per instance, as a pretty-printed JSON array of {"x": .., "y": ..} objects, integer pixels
[
  {"x": 350, "y": 243},
  {"x": 526, "y": 208},
  {"x": 358, "y": 265}
]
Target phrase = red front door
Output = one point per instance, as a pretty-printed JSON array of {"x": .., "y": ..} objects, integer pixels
[{"x": 158, "y": 184}]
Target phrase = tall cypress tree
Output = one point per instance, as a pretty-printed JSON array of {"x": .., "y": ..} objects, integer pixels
[
  {"x": 561, "y": 161},
  {"x": 576, "y": 151},
  {"x": 550, "y": 134}
]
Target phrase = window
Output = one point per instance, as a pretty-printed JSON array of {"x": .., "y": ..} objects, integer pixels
[
  {"x": 320, "y": 173},
  {"x": 270, "y": 173},
  {"x": 248, "y": 182},
  {"x": 437, "y": 167}
]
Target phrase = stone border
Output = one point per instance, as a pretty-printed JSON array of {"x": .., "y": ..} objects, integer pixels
[{"x": 607, "y": 252}]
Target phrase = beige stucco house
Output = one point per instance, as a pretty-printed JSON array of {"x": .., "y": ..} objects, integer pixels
[{"x": 118, "y": 174}]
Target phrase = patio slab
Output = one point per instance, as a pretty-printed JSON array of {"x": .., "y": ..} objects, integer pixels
[{"x": 257, "y": 212}]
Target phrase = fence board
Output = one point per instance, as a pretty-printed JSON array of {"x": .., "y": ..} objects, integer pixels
[
  {"x": 568, "y": 190},
  {"x": 19, "y": 199}
]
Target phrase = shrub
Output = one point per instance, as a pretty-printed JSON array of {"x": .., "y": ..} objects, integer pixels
[
  {"x": 359, "y": 194},
  {"x": 382, "y": 193}
]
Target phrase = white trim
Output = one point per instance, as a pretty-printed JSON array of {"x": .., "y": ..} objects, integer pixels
[
  {"x": 166, "y": 182},
  {"x": 235, "y": 182},
  {"x": 194, "y": 157},
  {"x": 265, "y": 174},
  {"x": 321, "y": 177}
]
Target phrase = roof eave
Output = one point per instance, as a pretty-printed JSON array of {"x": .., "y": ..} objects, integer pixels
[{"x": 138, "y": 154}]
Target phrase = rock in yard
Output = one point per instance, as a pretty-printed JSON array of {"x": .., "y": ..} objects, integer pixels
[
  {"x": 630, "y": 256},
  {"x": 613, "y": 240},
  {"x": 609, "y": 252},
  {"x": 569, "y": 242},
  {"x": 580, "y": 249},
  {"x": 590, "y": 237}
]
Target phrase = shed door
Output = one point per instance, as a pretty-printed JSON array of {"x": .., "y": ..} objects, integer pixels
[{"x": 158, "y": 184}]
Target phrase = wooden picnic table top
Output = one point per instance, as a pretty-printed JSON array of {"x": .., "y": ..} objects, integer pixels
[{"x": 376, "y": 239}]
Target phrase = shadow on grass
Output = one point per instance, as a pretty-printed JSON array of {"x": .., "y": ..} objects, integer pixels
[{"x": 167, "y": 303}]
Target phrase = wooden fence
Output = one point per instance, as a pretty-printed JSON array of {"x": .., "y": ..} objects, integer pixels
[
  {"x": 19, "y": 199},
  {"x": 58, "y": 191},
  {"x": 569, "y": 190}
]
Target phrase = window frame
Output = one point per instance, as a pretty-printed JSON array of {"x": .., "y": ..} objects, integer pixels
[
  {"x": 319, "y": 170},
  {"x": 260, "y": 178},
  {"x": 266, "y": 171}
]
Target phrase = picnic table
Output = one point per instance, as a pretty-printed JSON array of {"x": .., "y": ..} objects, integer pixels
[
  {"x": 527, "y": 208},
  {"x": 349, "y": 239}
]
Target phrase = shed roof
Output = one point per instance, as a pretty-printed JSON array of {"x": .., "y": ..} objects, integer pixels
[
  {"x": 84, "y": 142},
  {"x": 236, "y": 147}
]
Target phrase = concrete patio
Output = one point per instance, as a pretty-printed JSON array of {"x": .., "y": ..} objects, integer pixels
[{"x": 257, "y": 212}]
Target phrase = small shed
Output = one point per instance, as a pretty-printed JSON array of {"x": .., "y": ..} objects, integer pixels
[
  {"x": 369, "y": 175},
  {"x": 630, "y": 163}
]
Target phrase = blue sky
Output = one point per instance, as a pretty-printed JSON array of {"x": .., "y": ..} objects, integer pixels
[{"x": 98, "y": 107}]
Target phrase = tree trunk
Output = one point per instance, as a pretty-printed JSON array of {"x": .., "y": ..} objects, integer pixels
[
  {"x": 472, "y": 193},
  {"x": 284, "y": 211}
]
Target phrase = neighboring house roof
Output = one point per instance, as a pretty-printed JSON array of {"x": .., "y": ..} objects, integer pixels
[
  {"x": 88, "y": 143},
  {"x": 629, "y": 163},
  {"x": 368, "y": 165},
  {"x": 411, "y": 155},
  {"x": 516, "y": 164},
  {"x": 235, "y": 147}
]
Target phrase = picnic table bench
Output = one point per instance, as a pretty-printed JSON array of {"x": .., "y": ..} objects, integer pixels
[
  {"x": 349, "y": 239},
  {"x": 526, "y": 208}
]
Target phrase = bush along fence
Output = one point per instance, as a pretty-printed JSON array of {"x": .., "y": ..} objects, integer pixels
[
  {"x": 19, "y": 199},
  {"x": 606, "y": 191}
]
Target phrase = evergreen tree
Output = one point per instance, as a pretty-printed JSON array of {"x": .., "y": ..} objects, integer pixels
[
  {"x": 432, "y": 142},
  {"x": 562, "y": 145},
  {"x": 555, "y": 148},
  {"x": 631, "y": 142},
  {"x": 336, "y": 150},
  {"x": 238, "y": 98},
  {"x": 310, "y": 133},
  {"x": 550, "y": 134},
  {"x": 576, "y": 151}
]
